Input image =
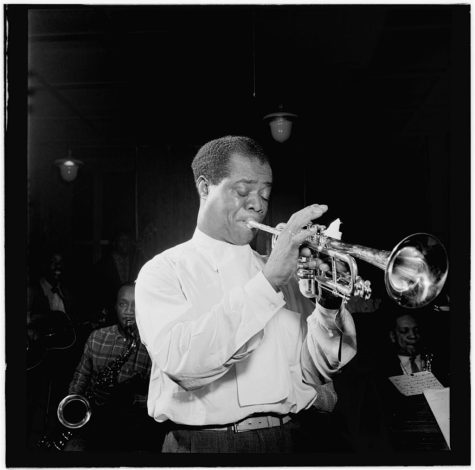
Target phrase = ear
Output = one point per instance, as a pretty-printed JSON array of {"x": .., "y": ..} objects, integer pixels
[
  {"x": 203, "y": 187},
  {"x": 392, "y": 336}
]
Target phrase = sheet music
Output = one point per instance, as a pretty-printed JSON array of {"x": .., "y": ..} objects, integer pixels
[
  {"x": 439, "y": 402},
  {"x": 415, "y": 384}
]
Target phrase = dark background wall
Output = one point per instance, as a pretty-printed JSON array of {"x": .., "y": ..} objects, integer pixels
[
  {"x": 133, "y": 91},
  {"x": 381, "y": 94}
]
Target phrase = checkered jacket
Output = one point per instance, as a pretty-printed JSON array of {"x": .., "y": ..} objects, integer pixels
[{"x": 103, "y": 346}]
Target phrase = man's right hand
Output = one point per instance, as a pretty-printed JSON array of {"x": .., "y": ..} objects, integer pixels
[{"x": 282, "y": 262}]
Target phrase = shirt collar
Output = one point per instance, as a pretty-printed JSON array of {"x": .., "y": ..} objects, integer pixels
[
  {"x": 118, "y": 330},
  {"x": 218, "y": 249},
  {"x": 407, "y": 359}
]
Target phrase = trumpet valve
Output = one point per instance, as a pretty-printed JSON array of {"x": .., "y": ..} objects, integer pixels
[
  {"x": 362, "y": 288},
  {"x": 307, "y": 279},
  {"x": 308, "y": 287}
]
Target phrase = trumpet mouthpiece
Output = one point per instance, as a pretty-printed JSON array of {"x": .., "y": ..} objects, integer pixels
[{"x": 253, "y": 224}]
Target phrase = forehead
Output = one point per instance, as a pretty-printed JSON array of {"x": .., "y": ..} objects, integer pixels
[
  {"x": 243, "y": 167},
  {"x": 126, "y": 292},
  {"x": 56, "y": 258},
  {"x": 406, "y": 321}
]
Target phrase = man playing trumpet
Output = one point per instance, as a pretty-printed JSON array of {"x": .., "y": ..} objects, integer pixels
[{"x": 237, "y": 352}]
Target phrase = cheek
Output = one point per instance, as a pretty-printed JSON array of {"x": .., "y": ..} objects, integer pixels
[
  {"x": 231, "y": 207},
  {"x": 222, "y": 204}
]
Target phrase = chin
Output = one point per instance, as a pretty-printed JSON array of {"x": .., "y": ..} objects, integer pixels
[
  {"x": 241, "y": 235},
  {"x": 240, "y": 241},
  {"x": 246, "y": 238}
]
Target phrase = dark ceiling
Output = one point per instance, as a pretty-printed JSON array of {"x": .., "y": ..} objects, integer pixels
[{"x": 138, "y": 74}]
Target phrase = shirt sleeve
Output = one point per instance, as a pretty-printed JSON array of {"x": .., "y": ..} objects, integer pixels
[
  {"x": 329, "y": 345},
  {"x": 83, "y": 372},
  {"x": 194, "y": 346}
]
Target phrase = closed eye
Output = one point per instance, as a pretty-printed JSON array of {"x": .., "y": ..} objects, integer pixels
[{"x": 265, "y": 196}]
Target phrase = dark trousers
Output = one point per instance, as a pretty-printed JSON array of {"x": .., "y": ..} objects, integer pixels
[
  {"x": 279, "y": 439},
  {"x": 308, "y": 432}
]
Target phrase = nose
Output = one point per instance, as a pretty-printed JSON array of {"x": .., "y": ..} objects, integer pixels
[
  {"x": 254, "y": 202},
  {"x": 130, "y": 309},
  {"x": 413, "y": 334}
]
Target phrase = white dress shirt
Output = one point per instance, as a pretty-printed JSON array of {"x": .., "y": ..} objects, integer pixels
[
  {"x": 54, "y": 298},
  {"x": 224, "y": 344},
  {"x": 405, "y": 362}
]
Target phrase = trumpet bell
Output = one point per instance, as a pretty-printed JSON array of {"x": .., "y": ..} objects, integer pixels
[
  {"x": 416, "y": 271},
  {"x": 74, "y": 411}
]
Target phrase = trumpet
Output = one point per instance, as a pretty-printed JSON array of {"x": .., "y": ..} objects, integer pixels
[{"x": 415, "y": 270}]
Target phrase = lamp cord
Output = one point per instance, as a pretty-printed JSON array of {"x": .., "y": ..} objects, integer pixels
[{"x": 253, "y": 54}]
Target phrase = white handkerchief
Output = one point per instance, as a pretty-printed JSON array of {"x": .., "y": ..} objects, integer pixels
[
  {"x": 333, "y": 230},
  {"x": 259, "y": 379}
]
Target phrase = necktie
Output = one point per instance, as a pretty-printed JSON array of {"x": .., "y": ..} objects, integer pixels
[
  {"x": 414, "y": 367},
  {"x": 56, "y": 290}
]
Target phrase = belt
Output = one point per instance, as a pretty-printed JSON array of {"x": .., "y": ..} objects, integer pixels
[{"x": 247, "y": 424}]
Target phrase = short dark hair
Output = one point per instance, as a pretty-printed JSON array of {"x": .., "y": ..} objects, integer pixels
[
  {"x": 212, "y": 159},
  {"x": 397, "y": 312},
  {"x": 125, "y": 284}
]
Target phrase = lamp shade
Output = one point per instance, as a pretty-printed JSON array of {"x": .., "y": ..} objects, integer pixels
[
  {"x": 280, "y": 125},
  {"x": 68, "y": 168}
]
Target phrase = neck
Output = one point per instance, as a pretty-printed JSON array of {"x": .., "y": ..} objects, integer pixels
[
  {"x": 52, "y": 280},
  {"x": 203, "y": 226},
  {"x": 405, "y": 354},
  {"x": 128, "y": 332}
]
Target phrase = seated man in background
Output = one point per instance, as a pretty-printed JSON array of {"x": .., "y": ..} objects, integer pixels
[
  {"x": 113, "y": 375},
  {"x": 55, "y": 316},
  {"x": 53, "y": 339},
  {"x": 413, "y": 350},
  {"x": 392, "y": 342},
  {"x": 416, "y": 346}
]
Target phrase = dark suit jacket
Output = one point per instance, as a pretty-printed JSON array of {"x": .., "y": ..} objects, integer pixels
[{"x": 368, "y": 402}]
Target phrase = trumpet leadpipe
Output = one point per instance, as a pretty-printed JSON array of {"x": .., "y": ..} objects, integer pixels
[{"x": 265, "y": 228}]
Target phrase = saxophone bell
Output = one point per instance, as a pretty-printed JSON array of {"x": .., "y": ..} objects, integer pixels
[{"x": 74, "y": 411}]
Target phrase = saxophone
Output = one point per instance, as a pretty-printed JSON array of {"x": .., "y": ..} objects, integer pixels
[
  {"x": 106, "y": 379},
  {"x": 75, "y": 411}
]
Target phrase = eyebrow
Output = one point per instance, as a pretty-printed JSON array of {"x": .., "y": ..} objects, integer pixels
[{"x": 244, "y": 180}]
